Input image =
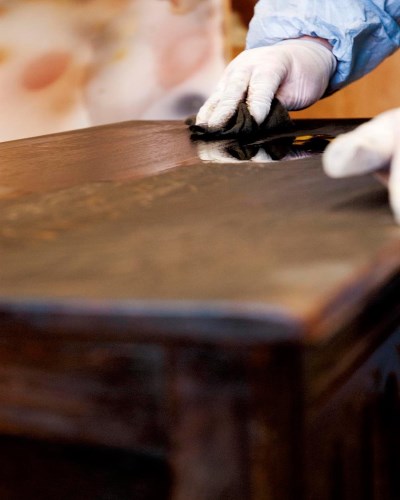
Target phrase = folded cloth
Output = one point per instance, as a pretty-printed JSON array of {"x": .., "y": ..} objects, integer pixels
[{"x": 242, "y": 124}]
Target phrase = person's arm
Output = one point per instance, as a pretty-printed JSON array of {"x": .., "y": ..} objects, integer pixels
[
  {"x": 296, "y": 72},
  {"x": 361, "y": 32},
  {"x": 301, "y": 50}
]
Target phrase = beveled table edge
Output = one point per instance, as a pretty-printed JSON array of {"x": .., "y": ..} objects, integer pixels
[{"x": 173, "y": 321}]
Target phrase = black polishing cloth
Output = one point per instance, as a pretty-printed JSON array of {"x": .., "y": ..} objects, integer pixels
[{"x": 242, "y": 124}]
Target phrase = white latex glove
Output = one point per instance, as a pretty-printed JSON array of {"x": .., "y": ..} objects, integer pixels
[
  {"x": 371, "y": 146},
  {"x": 297, "y": 72}
]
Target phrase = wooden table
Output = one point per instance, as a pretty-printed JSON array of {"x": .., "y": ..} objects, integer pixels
[{"x": 173, "y": 328}]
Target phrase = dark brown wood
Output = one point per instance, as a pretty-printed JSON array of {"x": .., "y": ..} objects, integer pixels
[
  {"x": 231, "y": 326},
  {"x": 40, "y": 469}
]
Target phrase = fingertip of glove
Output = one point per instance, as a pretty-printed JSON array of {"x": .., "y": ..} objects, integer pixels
[
  {"x": 218, "y": 122},
  {"x": 396, "y": 214},
  {"x": 331, "y": 162},
  {"x": 345, "y": 156},
  {"x": 259, "y": 118},
  {"x": 395, "y": 205},
  {"x": 394, "y": 197}
]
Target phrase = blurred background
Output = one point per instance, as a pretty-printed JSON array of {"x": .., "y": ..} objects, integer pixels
[{"x": 68, "y": 64}]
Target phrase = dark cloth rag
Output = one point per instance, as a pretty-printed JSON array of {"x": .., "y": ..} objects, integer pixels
[{"x": 243, "y": 125}]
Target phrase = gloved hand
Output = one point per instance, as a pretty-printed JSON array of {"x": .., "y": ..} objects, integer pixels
[
  {"x": 370, "y": 147},
  {"x": 297, "y": 72}
]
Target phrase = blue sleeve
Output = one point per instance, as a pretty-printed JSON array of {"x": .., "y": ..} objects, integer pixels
[{"x": 362, "y": 32}]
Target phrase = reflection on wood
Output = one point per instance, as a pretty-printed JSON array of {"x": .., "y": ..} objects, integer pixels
[{"x": 211, "y": 331}]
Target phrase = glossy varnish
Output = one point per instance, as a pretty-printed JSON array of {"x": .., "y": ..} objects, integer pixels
[
  {"x": 130, "y": 212},
  {"x": 221, "y": 330}
]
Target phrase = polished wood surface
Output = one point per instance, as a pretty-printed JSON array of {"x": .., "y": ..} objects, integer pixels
[
  {"x": 211, "y": 328},
  {"x": 130, "y": 212}
]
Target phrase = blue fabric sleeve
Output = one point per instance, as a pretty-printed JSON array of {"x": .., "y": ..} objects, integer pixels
[{"x": 362, "y": 32}]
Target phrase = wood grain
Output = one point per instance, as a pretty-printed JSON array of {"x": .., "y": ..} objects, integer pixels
[
  {"x": 281, "y": 233},
  {"x": 213, "y": 329}
]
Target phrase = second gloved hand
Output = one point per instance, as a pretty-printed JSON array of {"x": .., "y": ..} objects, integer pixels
[
  {"x": 297, "y": 72},
  {"x": 370, "y": 147}
]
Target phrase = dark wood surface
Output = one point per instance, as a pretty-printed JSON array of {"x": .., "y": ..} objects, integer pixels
[
  {"x": 129, "y": 212},
  {"x": 173, "y": 328}
]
